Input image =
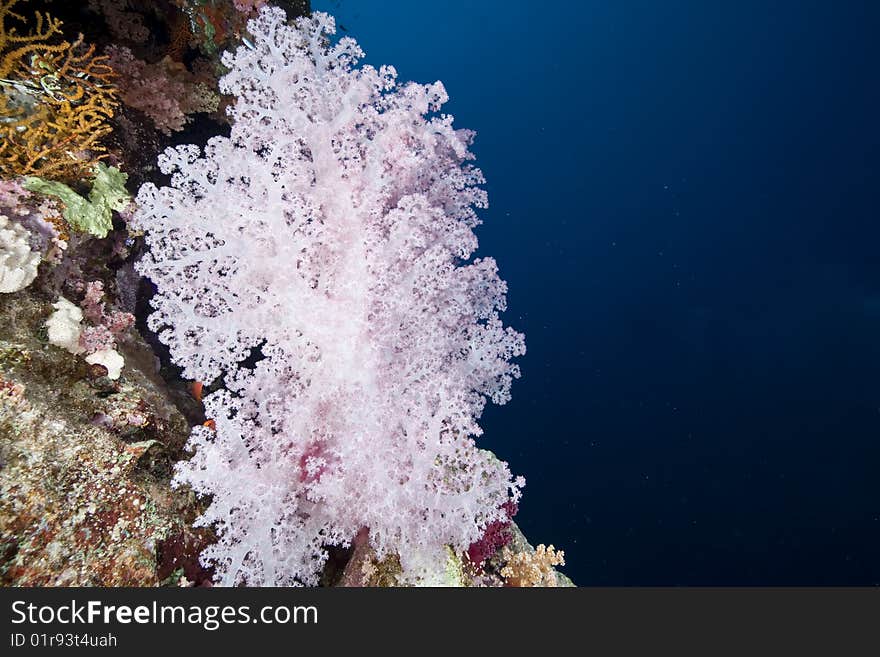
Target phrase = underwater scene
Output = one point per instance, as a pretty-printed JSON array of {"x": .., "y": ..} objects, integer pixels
[{"x": 465, "y": 294}]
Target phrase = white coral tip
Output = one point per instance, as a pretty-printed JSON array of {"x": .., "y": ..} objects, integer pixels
[
  {"x": 109, "y": 358},
  {"x": 18, "y": 264}
]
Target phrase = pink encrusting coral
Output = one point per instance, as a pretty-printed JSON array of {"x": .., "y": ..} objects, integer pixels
[{"x": 319, "y": 262}]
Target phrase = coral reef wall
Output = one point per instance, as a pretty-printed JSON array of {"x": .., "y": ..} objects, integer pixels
[{"x": 301, "y": 406}]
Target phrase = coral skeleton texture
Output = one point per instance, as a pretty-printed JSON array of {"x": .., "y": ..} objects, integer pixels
[{"x": 318, "y": 262}]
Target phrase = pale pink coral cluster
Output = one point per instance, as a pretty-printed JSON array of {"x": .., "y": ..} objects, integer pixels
[
  {"x": 318, "y": 262},
  {"x": 248, "y": 6},
  {"x": 166, "y": 92},
  {"x": 98, "y": 338},
  {"x": 105, "y": 328}
]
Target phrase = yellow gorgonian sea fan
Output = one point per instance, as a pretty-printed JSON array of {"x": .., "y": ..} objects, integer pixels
[{"x": 56, "y": 101}]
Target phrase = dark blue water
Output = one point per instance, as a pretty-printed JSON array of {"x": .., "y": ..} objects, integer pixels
[{"x": 684, "y": 201}]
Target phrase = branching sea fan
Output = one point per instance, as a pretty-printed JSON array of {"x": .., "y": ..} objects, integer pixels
[{"x": 318, "y": 263}]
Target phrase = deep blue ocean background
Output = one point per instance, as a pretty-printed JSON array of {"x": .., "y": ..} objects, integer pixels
[{"x": 684, "y": 202}]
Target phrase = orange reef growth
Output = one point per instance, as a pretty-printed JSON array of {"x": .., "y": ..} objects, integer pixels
[{"x": 57, "y": 98}]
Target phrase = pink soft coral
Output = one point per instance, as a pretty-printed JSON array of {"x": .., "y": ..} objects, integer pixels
[
  {"x": 105, "y": 327},
  {"x": 248, "y": 6},
  {"x": 166, "y": 91},
  {"x": 329, "y": 240}
]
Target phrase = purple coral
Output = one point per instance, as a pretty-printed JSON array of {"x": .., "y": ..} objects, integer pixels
[{"x": 329, "y": 238}]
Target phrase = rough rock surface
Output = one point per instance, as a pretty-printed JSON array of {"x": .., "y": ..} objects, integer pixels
[{"x": 84, "y": 463}]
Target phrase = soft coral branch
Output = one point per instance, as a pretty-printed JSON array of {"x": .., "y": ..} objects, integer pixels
[{"x": 319, "y": 263}]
